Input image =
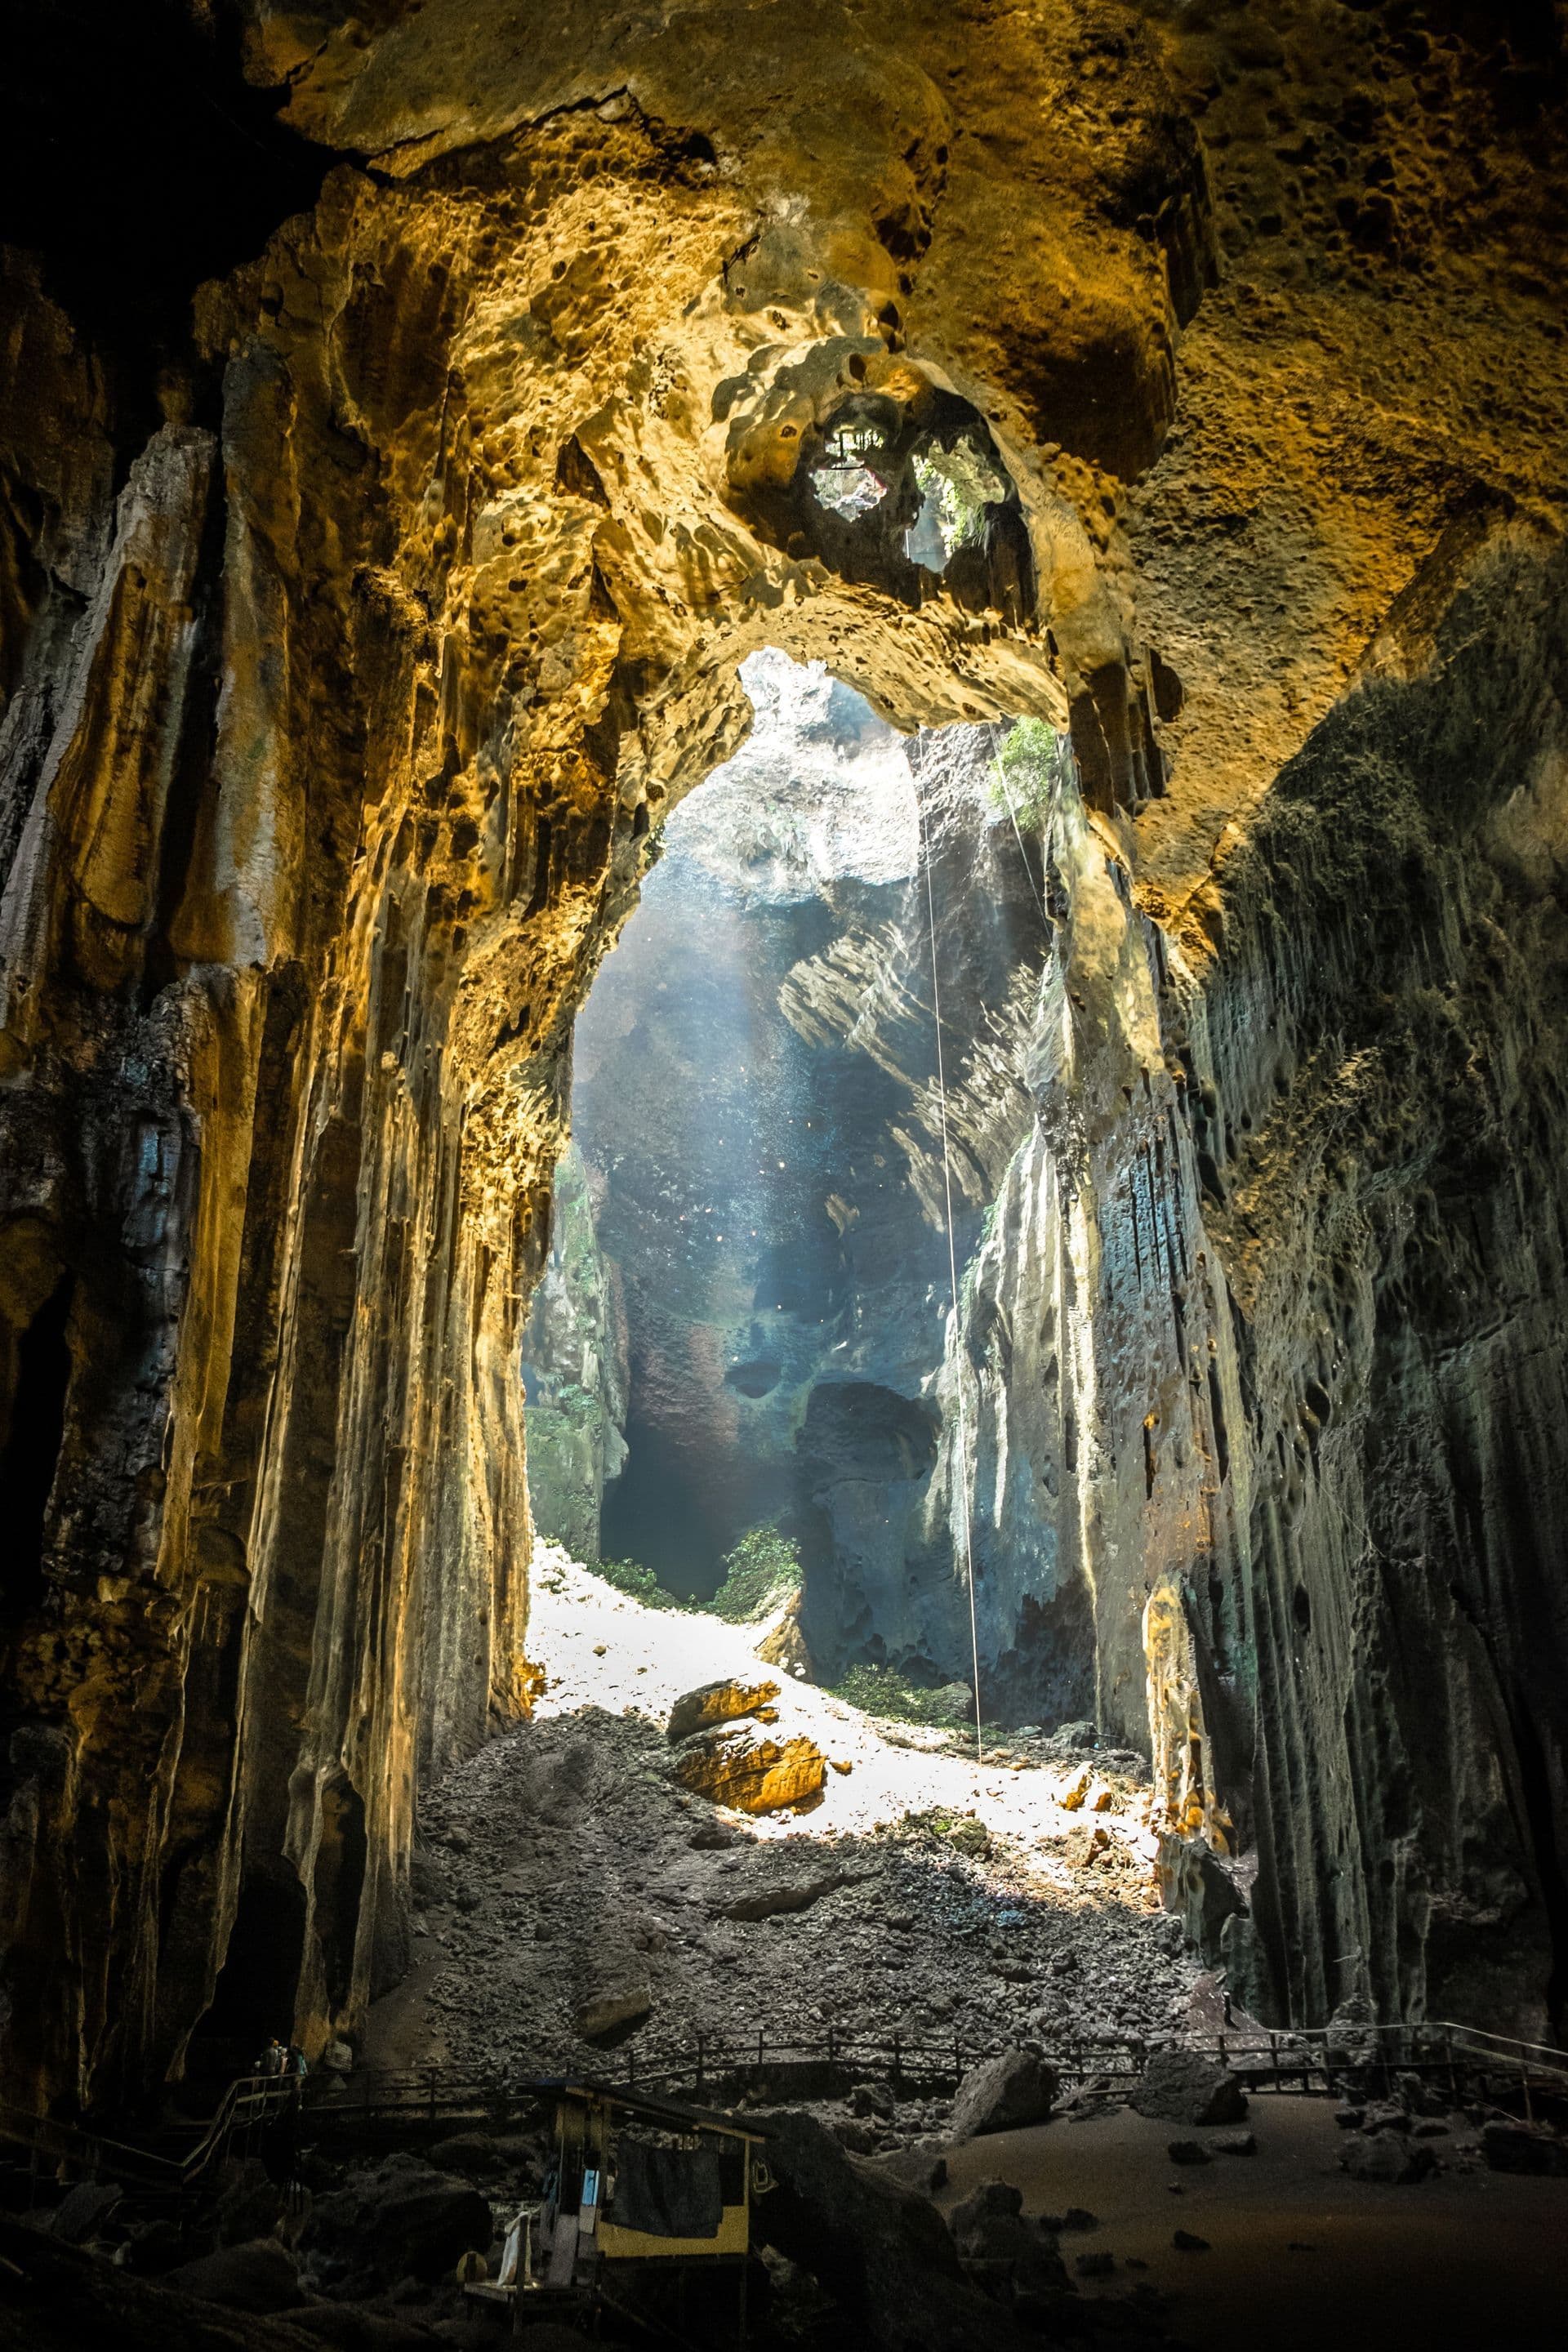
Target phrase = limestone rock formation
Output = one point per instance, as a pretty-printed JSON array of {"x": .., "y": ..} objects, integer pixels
[
  {"x": 719, "y": 1702},
  {"x": 754, "y": 1773},
  {"x": 1002, "y": 2094},
  {"x": 1183, "y": 2087},
  {"x": 365, "y": 609}
]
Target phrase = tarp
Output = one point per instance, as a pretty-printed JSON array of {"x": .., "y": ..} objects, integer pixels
[{"x": 666, "y": 2192}]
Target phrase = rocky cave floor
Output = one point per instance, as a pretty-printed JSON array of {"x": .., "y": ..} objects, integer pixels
[
  {"x": 565, "y": 1872},
  {"x": 924, "y": 1897}
]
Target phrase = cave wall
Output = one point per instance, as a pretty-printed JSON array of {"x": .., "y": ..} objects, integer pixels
[
  {"x": 341, "y": 702},
  {"x": 1385, "y": 1125}
]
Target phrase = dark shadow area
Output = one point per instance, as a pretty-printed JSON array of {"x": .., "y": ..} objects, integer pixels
[
  {"x": 254, "y": 1997},
  {"x": 137, "y": 161},
  {"x": 33, "y": 1450},
  {"x": 339, "y": 1882}
]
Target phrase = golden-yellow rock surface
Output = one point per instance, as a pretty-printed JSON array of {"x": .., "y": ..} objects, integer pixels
[
  {"x": 721, "y": 1702},
  {"x": 744, "y": 1768}
]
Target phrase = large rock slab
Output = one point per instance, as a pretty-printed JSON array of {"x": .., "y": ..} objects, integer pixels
[
  {"x": 715, "y": 1703},
  {"x": 1183, "y": 2087},
  {"x": 404, "y": 2220},
  {"x": 620, "y": 1999},
  {"x": 746, "y": 1769},
  {"x": 1386, "y": 2156},
  {"x": 1004, "y": 2093},
  {"x": 80, "y": 2211},
  {"x": 883, "y": 2253},
  {"x": 259, "y": 2276},
  {"x": 772, "y": 1898}
]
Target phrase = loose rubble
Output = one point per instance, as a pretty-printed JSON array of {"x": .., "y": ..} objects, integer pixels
[{"x": 924, "y": 1897}]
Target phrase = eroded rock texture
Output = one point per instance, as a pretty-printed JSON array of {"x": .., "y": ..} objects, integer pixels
[{"x": 340, "y": 710}]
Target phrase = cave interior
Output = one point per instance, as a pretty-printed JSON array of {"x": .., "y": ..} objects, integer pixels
[{"x": 782, "y": 796}]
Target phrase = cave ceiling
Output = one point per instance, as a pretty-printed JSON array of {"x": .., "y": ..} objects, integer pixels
[{"x": 375, "y": 568}]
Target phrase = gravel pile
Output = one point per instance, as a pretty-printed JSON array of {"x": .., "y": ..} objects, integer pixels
[{"x": 564, "y": 1864}]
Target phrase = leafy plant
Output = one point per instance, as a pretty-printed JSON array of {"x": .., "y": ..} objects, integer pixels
[
  {"x": 760, "y": 1574},
  {"x": 882, "y": 1690},
  {"x": 639, "y": 1583},
  {"x": 1028, "y": 772}
]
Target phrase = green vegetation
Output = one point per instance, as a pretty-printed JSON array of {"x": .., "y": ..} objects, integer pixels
[
  {"x": 964, "y": 485},
  {"x": 882, "y": 1690},
  {"x": 1029, "y": 772},
  {"x": 640, "y": 1583},
  {"x": 759, "y": 1575}
]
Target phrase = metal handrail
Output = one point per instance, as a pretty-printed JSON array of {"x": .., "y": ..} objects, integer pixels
[
  {"x": 249, "y": 2100},
  {"x": 439, "y": 2093}
]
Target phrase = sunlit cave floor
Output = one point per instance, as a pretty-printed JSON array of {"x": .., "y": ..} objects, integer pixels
[{"x": 935, "y": 1895}]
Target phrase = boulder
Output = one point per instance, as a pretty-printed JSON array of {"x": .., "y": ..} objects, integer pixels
[
  {"x": 1387, "y": 2156},
  {"x": 1075, "y": 1735},
  {"x": 1188, "y": 2151},
  {"x": 1183, "y": 2087},
  {"x": 883, "y": 2255},
  {"x": 1510, "y": 2146},
  {"x": 1004, "y": 2093},
  {"x": 82, "y": 2210},
  {"x": 994, "y": 2234},
  {"x": 619, "y": 1999},
  {"x": 746, "y": 1769},
  {"x": 404, "y": 2219},
  {"x": 773, "y": 1898},
  {"x": 259, "y": 2276},
  {"x": 785, "y": 1643},
  {"x": 716, "y": 1703},
  {"x": 922, "y": 2168}
]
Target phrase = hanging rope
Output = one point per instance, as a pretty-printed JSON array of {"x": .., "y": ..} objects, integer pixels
[
  {"x": 952, "y": 1276},
  {"x": 1049, "y": 833}
]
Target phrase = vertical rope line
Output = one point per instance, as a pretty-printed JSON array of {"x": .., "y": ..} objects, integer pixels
[
  {"x": 953, "y": 1275},
  {"x": 1028, "y": 869},
  {"x": 1048, "y": 831}
]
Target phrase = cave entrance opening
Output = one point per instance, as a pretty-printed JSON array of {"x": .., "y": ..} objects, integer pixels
[
  {"x": 745, "y": 1381},
  {"x": 254, "y": 1998}
]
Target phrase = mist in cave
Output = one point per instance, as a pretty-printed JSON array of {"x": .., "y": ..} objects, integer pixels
[{"x": 746, "y": 1326}]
